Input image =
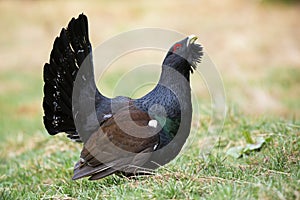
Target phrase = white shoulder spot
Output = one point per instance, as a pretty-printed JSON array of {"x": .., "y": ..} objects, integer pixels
[
  {"x": 107, "y": 116},
  {"x": 152, "y": 123}
]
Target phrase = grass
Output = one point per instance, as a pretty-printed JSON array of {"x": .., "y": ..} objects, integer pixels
[
  {"x": 255, "y": 47},
  {"x": 282, "y": 1},
  {"x": 34, "y": 165}
]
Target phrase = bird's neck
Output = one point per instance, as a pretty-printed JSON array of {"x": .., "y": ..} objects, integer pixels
[
  {"x": 172, "y": 76},
  {"x": 173, "y": 90}
]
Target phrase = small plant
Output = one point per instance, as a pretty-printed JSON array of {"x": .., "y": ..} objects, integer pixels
[{"x": 251, "y": 145}]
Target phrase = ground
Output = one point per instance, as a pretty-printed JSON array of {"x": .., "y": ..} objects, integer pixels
[{"x": 255, "y": 46}]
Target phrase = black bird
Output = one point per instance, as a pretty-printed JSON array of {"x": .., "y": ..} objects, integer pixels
[{"x": 120, "y": 135}]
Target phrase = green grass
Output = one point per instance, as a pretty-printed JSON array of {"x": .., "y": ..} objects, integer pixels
[
  {"x": 282, "y": 1},
  {"x": 34, "y": 165},
  {"x": 254, "y": 44},
  {"x": 285, "y": 80}
]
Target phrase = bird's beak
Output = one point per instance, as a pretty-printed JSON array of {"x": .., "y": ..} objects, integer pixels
[{"x": 191, "y": 39}]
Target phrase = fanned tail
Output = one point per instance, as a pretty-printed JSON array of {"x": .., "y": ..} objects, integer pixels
[{"x": 69, "y": 51}]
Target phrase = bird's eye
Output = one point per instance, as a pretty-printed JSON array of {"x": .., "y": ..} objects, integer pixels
[{"x": 176, "y": 47}]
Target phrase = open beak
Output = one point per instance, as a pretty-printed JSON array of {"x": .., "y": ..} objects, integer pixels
[{"x": 191, "y": 39}]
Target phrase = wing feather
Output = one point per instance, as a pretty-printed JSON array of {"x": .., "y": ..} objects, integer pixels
[{"x": 112, "y": 149}]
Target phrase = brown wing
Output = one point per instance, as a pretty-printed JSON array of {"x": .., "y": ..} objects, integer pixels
[{"x": 123, "y": 143}]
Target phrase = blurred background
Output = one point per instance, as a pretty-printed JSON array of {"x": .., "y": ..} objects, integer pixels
[{"x": 254, "y": 44}]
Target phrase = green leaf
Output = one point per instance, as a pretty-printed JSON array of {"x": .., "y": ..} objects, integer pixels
[
  {"x": 239, "y": 151},
  {"x": 235, "y": 152},
  {"x": 257, "y": 145}
]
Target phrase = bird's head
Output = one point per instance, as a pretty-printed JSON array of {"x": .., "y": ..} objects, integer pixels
[{"x": 184, "y": 55}]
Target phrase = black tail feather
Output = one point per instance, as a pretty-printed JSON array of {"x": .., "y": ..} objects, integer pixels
[{"x": 68, "y": 53}]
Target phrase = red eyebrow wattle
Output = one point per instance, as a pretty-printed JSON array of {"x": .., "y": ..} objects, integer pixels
[{"x": 175, "y": 47}]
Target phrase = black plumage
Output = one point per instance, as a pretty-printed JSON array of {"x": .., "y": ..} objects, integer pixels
[{"x": 124, "y": 135}]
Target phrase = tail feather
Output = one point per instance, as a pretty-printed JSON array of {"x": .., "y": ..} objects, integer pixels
[{"x": 68, "y": 53}]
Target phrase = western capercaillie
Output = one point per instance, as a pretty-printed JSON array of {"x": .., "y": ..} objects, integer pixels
[{"x": 128, "y": 136}]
